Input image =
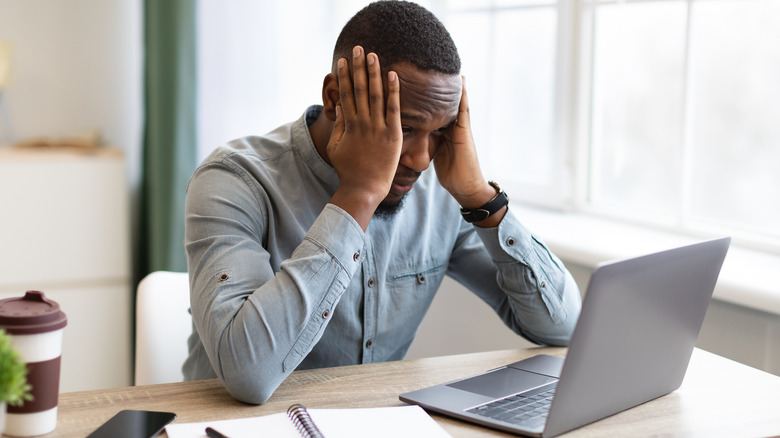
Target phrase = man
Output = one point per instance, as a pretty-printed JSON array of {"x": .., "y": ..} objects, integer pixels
[{"x": 323, "y": 242}]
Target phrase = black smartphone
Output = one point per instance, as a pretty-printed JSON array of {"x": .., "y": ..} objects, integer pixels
[{"x": 133, "y": 424}]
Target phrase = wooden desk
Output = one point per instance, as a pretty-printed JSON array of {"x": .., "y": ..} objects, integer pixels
[{"x": 719, "y": 397}]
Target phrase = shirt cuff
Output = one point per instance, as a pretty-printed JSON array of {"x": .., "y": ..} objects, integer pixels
[
  {"x": 509, "y": 241},
  {"x": 340, "y": 235}
]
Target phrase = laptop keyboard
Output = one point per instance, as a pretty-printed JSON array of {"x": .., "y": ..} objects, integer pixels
[{"x": 531, "y": 406}]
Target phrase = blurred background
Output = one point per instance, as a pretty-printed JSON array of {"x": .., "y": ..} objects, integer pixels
[{"x": 616, "y": 128}]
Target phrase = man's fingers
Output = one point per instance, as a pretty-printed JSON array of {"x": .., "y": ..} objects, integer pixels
[
  {"x": 360, "y": 83},
  {"x": 346, "y": 98},
  {"x": 464, "y": 119},
  {"x": 375, "y": 89},
  {"x": 362, "y": 96},
  {"x": 393, "y": 109},
  {"x": 338, "y": 126}
]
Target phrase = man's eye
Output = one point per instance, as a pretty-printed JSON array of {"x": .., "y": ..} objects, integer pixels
[
  {"x": 406, "y": 129},
  {"x": 444, "y": 129}
]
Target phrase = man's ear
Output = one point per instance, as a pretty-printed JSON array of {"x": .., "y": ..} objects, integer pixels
[{"x": 330, "y": 96}]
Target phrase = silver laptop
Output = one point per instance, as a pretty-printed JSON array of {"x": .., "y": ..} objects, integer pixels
[{"x": 634, "y": 338}]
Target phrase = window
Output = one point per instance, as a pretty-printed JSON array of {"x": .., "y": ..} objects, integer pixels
[
  {"x": 664, "y": 112},
  {"x": 661, "y": 112},
  {"x": 510, "y": 61}
]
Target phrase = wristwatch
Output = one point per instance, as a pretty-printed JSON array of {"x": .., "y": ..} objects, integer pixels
[{"x": 481, "y": 213}]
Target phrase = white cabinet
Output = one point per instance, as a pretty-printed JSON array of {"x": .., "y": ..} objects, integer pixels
[{"x": 64, "y": 230}]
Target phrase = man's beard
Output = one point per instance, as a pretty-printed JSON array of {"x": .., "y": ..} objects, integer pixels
[{"x": 387, "y": 211}]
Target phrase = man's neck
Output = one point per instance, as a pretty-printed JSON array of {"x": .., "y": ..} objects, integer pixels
[{"x": 320, "y": 134}]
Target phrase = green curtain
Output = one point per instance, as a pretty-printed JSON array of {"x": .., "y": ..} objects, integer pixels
[{"x": 170, "y": 147}]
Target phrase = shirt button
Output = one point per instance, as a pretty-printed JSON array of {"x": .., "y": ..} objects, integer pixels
[
  {"x": 371, "y": 282},
  {"x": 356, "y": 256},
  {"x": 544, "y": 284},
  {"x": 421, "y": 279},
  {"x": 510, "y": 241},
  {"x": 369, "y": 343},
  {"x": 325, "y": 314}
]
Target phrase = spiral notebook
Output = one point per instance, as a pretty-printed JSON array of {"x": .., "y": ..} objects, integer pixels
[{"x": 299, "y": 422}]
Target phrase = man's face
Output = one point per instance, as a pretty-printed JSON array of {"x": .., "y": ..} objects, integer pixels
[{"x": 429, "y": 105}]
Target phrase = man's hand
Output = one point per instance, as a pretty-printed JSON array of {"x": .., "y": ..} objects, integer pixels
[
  {"x": 365, "y": 144},
  {"x": 457, "y": 165}
]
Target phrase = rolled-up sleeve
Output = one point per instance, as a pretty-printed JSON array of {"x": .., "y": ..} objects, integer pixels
[
  {"x": 517, "y": 275},
  {"x": 257, "y": 323}
]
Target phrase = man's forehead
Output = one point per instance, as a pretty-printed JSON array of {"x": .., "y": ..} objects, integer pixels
[
  {"x": 446, "y": 117},
  {"x": 437, "y": 83},
  {"x": 428, "y": 92}
]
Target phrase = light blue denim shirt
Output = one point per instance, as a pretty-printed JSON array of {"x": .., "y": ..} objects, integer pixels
[{"x": 282, "y": 280}]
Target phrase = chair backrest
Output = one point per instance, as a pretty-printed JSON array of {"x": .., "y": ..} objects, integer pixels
[{"x": 163, "y": 324}]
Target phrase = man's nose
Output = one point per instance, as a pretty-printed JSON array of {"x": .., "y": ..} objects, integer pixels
[{"x": 416, "y": 153}]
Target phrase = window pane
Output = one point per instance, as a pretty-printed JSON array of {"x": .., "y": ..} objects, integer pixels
[
  {"x": 510, "y": 3},
  {"x": 471, "y": 33},
  {"x": 510, "y": 56},
  {"x": 523, "y": 88},
  {"x": 736, "y": 126},
  {"x": 459, "y": 5},
  {"x": 638, "y": 73},
  {"x": 462, "y": 5}
]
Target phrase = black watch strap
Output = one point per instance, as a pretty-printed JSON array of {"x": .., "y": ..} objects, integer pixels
[{"x": 481, "y": 213}]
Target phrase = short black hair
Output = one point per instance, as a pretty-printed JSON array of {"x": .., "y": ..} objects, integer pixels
[{"x": 399, "y": 31}]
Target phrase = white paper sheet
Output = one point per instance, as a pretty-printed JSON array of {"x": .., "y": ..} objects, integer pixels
[{"x": 399, "y": 421}]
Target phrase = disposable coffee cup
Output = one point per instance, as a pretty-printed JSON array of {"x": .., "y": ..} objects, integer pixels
[{"x": 35, "y": 325}]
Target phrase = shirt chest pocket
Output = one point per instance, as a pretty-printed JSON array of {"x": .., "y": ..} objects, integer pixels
[{"x": 417, "y": 283}]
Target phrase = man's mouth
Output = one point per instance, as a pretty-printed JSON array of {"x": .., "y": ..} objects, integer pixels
[{"x": 402, "y": 184}]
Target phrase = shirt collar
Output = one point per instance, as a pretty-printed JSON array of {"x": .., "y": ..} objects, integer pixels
[{"x": 304, "y": 145}]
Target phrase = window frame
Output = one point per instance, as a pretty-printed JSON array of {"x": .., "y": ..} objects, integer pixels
[{"x": 684, "y": 221}]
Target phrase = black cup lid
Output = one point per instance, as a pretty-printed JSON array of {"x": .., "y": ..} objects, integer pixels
[{"x": 31, "y": 314}]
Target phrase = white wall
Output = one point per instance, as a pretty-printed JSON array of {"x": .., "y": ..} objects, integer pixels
[{"x": 77, "y": 66}]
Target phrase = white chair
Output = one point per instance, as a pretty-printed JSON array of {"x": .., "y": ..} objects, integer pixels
[{"x": 162, "y": 325}]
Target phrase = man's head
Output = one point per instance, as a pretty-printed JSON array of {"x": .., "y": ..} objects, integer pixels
[
  {"x": 411, "y": 41},
  {"x": 399, "y": 32}
]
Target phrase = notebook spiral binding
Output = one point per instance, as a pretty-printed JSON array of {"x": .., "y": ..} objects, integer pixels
[{"x": 303, "y": 422}]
